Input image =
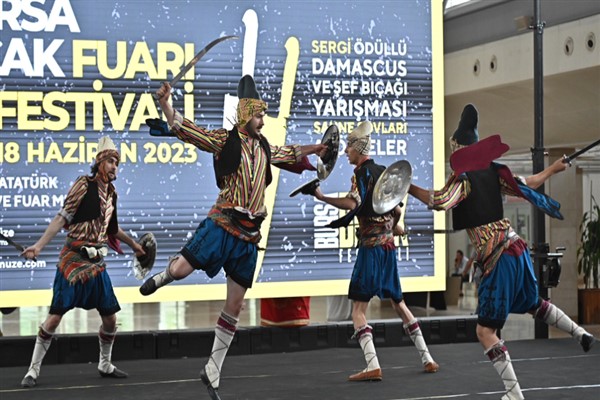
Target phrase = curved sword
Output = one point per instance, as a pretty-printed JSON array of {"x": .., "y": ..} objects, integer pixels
[{"x": 197, "y": 58}]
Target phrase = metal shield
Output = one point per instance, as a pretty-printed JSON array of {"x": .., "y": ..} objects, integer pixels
[
  {"x": 143, "y": 265},
  {"x": 392, "y": 186},
  {"x": 326, "y": 164},
  {"x": 306, "y": 188}
]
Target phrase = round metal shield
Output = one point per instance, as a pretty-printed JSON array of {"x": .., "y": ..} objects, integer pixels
[
  {"x": 326, "y": 164},
  {"x": 306, "y": 188},
  {"x": 142, "y": 265},
  {"x": 392, "y": 186}
]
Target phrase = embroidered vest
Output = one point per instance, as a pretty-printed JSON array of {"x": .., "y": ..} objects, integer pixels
[
  {"x": 228, "y": 160},
  {"x": 484, "y": 203},
  {"x": 89, "y": 209}
]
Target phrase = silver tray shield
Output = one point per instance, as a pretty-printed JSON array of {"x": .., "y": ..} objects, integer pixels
[
  {"x": 392, "y": 186},
  {"x": 332, "y": 139}
]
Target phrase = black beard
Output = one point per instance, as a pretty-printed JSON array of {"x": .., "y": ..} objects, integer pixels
[{"x": 106, "y": 178}]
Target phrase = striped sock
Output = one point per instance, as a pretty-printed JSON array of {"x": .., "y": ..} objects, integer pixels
[
  {"x": 414, "y": 331},
  {"x": 498, "y": 355},
  {"x": 365, "y": 339},
  {"x": 224, "y": 333},
  {"x": 554, "y": 316},
  {"x": 42, "y": 344}
]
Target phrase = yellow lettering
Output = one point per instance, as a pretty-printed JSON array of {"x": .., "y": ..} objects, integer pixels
[
  {"x": 331, "y": 47},
  {"x": 79, "y": 59},
  {"x": 189, "y": 54},
  {"x": 79, "y": 99},
  {"x": 26, "y": 110},
  {"x": 128, "y": 152},
  {"x": 188, "y": 101},
  {"x": 118, "y": 119},
  {"x": 119, "y": 69},
  {"x": 140, "y": 62},
  {"x": 146, "y": 108},
  {"x": 166, "y": 62},
  {"x": 62, "y": 117},
  {"x": 35, "y": 150},
  {"x": 6, "y": 111},
  {"x": 53, "y": 153}
]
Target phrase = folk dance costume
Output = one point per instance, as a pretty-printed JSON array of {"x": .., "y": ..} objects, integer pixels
[
  {"x": 81, "y": 280},
  {"x": 375, "y": 272},
  {"x": 474, "y": 193},
  {"x": 229, "y": 236}
]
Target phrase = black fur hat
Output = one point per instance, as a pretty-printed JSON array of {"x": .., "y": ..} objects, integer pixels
[
  {"x": 247, "y": 89},
  {"x": 466, "y": 133}
]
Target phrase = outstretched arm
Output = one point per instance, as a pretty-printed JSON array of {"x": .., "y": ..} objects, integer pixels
[
  {"x": 319, "y": 149},
  {"x": 135, "y": 246},
  {"x": 345, "y": 203},
  {"x": 419, "y": 193},
  {"x": 454, "y": 191},
  {"x": 53, "y": 228},
  {"x": 535, "y": 181}
]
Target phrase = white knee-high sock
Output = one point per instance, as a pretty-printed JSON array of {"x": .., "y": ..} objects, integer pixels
[
  {"x": 43, "y": 341},
  {"x": 498, "y": 355},
  {"x": 414, "y": 331},
  {"x": 365, "y": 339},
  {"x": 106, "y": 340},
  {"x": 554, "y": 316},
  {"x": 224, "y": 333}
]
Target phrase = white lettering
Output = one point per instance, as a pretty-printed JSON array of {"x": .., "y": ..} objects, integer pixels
[{"x": 60, "y": 14}]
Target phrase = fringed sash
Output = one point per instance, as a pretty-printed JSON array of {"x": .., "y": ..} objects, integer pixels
[{"x": 74, "y": 263}]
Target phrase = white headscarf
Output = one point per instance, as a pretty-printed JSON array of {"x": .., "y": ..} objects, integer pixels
[{"x": 360, "y": 138}]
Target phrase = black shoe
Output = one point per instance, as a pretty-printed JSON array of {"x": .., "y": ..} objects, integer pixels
[
  {"x": 148, "y": 287},
  {"x": 117, "y": 373},
  {"x": 587, "y": 341},
  {"x": 28, "y": 382},
  {"x": 212, "y": 392}
]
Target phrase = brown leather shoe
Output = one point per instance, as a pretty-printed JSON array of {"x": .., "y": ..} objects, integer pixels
[
  {"x": 431, "y": 367},
  {"x": 364, "y": 375}
]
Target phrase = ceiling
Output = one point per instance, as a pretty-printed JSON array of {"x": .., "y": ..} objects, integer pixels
[
  {"x": 571, "y": 101},
  {"x": 571, "y": 111}
]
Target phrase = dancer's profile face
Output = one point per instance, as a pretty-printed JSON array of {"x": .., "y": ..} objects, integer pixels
[
  {"x": 254, "y": 126},
  {"x": 353, "y": 155}
]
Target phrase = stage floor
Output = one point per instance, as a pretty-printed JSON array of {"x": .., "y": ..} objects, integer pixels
[{"x": 547, "y": 369}]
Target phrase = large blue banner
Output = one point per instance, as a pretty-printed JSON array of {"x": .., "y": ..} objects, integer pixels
[{"x": 72, "y": 71}]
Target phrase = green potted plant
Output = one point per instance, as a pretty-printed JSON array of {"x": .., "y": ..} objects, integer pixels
[{"x": 588, "y": 261}]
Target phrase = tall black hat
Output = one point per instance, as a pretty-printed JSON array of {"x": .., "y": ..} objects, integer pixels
[
  {"x": 247, "y": 88},
  {"x": 466, "y": 133}
]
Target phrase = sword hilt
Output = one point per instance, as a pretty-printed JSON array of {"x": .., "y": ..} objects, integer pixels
[{"x": 569, "y": 158}]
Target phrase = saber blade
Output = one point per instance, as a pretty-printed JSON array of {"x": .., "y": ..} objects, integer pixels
[
  {"x": 580, "y": 152},
  {"x": 197, "y": 58},
  {"x": 14, "y": 244}
]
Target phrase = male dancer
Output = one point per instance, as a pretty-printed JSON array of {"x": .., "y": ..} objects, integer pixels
[
  {"x": 90, "y": 216},
  {"x": 228, "y": 238},
  {"x": 375, "y": 272},
  {"x": 474, "y": 193}
]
